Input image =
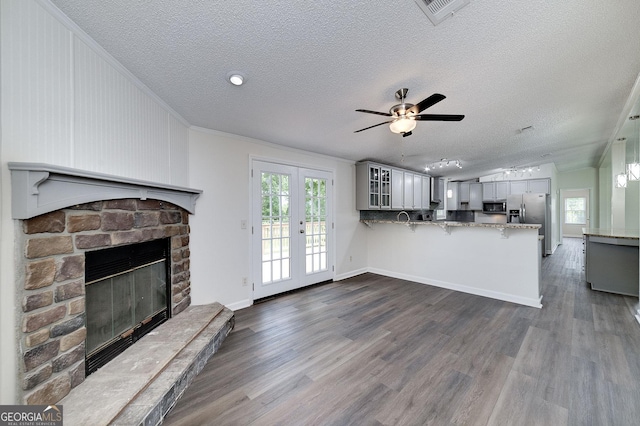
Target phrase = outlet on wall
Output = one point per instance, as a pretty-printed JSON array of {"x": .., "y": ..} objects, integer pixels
[
  {"x": 350, "y": 258},
  {"x": 245, "y": 281}
]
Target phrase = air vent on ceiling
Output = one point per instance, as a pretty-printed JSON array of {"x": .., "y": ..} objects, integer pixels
[{"x": 439, "y": 10}]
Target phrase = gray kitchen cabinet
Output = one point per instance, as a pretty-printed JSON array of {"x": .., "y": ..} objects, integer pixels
[
  {"x": 463, "y": 192},
  {"x": 408, "y": 191},
  {"x": 611, "y": 264},
  {"x": 502, "y": 190},
  {"x": 373, "y": 186},
  {"x": 495, "y": 191},
  {"x": 426, "y": 193},
  {"x": 380, "y": 187},
  {"x": 518, "y": 187},
  {"x": 530, "y": 186},
  {"x": 475, "y": 196},
  {"x": 488, "y": 191},
  {"x": 540, "y": 186},
  {"x": 417, "y": 192},
  {"x": 397, "y": 189}
]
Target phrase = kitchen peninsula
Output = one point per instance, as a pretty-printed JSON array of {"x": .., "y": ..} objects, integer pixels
[{"x": 496, "y": 260}]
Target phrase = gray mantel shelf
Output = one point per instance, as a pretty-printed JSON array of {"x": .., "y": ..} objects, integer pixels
[{"x": 38, "y": 188}]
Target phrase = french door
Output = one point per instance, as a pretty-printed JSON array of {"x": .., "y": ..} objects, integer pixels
[{"x": 292, "y": 222}]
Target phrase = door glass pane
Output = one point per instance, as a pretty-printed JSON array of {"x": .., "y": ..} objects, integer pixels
[
  {"x": 316, "y": 216},
  {"x": 276, "y": 217}
]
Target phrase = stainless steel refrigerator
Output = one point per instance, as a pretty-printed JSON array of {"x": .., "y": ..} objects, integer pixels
[{"x": 532, "y": 208}]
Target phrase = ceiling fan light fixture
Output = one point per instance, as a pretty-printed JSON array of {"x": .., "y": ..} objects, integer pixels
[{"x": 402, "y": 125}]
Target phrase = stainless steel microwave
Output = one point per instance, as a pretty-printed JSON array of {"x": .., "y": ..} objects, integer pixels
[{"x": 494, "y": 207}]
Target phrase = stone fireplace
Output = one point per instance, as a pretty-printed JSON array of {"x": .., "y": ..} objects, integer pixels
[{"x": 64, "y": 215}]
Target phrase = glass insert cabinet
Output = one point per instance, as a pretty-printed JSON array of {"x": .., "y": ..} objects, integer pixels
[{"x": 382, "y": 187}]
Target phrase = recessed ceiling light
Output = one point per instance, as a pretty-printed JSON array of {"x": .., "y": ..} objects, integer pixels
[{"x": 236, "y": 79}]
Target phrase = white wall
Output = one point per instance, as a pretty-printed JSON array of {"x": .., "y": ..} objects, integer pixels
[
  {"x": 586, "y": 178},
  {"x": 65, "y": 101},
  {"x": 220, "y": 249}
]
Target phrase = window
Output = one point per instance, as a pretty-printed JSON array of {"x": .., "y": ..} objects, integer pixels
[{"x": 575, "y": 210}]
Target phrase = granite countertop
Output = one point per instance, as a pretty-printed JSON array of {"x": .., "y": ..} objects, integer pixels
[
  {"x": 611, "y": 233},
  {"x": 445, "y": 223}
]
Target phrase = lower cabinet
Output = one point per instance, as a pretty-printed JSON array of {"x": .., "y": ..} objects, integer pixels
[{"x": 612, "y": 264}]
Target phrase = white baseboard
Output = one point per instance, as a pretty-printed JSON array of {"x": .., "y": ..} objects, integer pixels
[
  {"x": 534, "y": 303},
  {"x": 350, "y": 274},
  {"x": 638, "y": 317},
  {"x": 236, "y": 306}
]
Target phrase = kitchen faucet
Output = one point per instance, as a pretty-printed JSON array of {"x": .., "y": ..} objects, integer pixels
[{"x": 405, "y": 213}]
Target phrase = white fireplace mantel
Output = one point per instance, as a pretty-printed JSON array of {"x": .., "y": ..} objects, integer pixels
[{"x": 38, "y": 188}]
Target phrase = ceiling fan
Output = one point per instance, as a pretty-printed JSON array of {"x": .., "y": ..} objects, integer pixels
[{"x": 405, "y": 115}]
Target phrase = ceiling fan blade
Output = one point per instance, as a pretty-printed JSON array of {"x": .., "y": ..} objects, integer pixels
[
  {"x": 426, "y": 103},
  {"x": 438, "y": 117},
  {"x": 375, "y": 125},
  {"x": 386, "y": 114}
]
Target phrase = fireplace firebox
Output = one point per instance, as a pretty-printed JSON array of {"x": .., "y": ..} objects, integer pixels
[{"x": 127, "y": 292}]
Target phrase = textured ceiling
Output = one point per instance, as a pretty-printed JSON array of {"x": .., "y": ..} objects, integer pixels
[{"x": 567, "y": 68}]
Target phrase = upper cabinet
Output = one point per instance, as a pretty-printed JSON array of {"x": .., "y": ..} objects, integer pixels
[
  {"x": 464, "y": 192},
  {"x": 397, "y": 189},
  {"x": 374, "y": 190},
  {"x": 380, "y": 187},
  {"x": 475, "y": 196},
  {"x": 540, "y": 186},
  {"x": 518, "y": 187},
  {"x": 465, "y": 196},
  {"x": 530, "y": 186},
  {"x": 426, "y": 192},
  {"x": 494, "y": 191},
  {"x": 407, "y": 202}
]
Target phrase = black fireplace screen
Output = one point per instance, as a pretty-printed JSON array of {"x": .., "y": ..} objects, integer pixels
[{"x": 126, "y": 297}]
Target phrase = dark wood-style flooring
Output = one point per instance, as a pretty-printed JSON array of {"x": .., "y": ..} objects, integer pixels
[{"x": 373, "y": 350}]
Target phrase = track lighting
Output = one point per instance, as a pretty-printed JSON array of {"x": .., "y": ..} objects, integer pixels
[{"x": 444, "y": 162}]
